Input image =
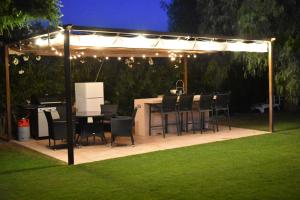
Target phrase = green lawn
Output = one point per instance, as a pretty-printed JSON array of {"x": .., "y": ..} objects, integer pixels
[{"x": 260, "y": 167}]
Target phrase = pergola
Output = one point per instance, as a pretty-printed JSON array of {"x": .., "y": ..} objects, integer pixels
[{"x": 71, "y": 42}]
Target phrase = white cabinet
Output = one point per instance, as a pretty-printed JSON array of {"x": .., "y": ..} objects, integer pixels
[{"x": 89, "y": 96}]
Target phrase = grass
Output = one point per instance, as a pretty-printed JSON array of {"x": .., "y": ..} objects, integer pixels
[{"x": 260, "y": 167}]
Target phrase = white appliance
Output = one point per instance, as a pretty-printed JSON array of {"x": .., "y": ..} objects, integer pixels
[{"x": 89, "y": 96}]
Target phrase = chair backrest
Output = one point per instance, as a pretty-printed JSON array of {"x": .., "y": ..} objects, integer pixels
[
  {"x": 109, "y": 109},
  {"x": 62, "y": 112},
  {"x": 169, "y": 103},
  {"x": 186, "y": 102},
  {"x": 50, "y": 123},
  {"x": 121, "y": 126},
  {"x": 205, "y": 102},
  {"x": 222, "y": 100}
]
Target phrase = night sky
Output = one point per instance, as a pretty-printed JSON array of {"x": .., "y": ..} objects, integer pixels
[{"x": 128, "y": 14}]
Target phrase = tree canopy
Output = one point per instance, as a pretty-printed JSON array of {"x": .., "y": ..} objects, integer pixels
[
  {"x": 18, "y": 13},
  {"x": 249, "y": 19}
]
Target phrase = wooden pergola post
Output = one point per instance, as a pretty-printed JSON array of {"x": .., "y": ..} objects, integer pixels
[
  {"x": 8, "y": 95},
  {"x": 270, "y": 63},
  {"x": 185, "y": 74},
  {"x": 68, "y": 94}
]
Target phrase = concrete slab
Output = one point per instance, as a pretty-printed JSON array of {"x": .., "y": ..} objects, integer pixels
[{"x": 144, "y": 144}]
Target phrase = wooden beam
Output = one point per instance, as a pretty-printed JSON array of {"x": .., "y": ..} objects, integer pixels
[
  {"x": 68, "y": 94},
  {"x": 185, "y": 74},
  {"x": 8, "y": 93},
  {"x": 270, "y": 62}
]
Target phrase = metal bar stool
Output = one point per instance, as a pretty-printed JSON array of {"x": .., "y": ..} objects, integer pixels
[
  {"x": 222, "y": 105},
  {"x": 168, "y": 107},
  {"x": 186, "y": 106},
  {"x": 153, "y": 108},
  {"x": 206, "y": 105}
]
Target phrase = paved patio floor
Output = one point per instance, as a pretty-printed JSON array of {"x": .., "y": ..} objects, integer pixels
[{"x": 97, "y": 152}]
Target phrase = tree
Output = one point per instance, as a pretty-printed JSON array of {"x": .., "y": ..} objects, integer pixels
[
  {"x": 251, "y": 19},
  {"x": 19, "y": 13}
]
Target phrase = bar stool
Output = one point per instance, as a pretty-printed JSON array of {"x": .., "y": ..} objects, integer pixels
[
  {"x": 168, "y": 107},
  {"x": 153, "y": 108},
  {"x": 186, "y": 106},
  {"x": 222, "y": 104},
  {"x": 206, "y": 105}
]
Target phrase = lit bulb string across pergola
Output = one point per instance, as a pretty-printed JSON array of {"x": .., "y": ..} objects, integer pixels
[
  {"x": 111, "y": 43},
  {"x": 127, "y": 60},
  {"x": 73, "y": 42},
  {"x": 166, "y": 45}
]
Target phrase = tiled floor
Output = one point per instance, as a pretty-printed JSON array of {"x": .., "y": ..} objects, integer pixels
[{"x": 97, "y": 152}]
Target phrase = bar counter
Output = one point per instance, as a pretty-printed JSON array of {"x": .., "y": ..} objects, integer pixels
[{"x": 142, "y": 116}]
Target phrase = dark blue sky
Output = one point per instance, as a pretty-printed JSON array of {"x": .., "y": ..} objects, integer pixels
[{"x": 129, "y": 14}]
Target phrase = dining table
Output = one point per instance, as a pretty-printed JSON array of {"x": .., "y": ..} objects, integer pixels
[{"x": 89, "y": 123}]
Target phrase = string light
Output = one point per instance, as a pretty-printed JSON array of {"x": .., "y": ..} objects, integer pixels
[
  {"x": 38, "y": 58},
  {"x": 95, "y": 56},
  {"x": 144, "y": 56},
  {"x": 106, "y": 58},
  {"x": 119, "y": 58},
  {"x": 25, "y": 58},
  {"x": 156, "y": 54},
  {"x": 150, "y": 61},
  {"x": 16, "y": 61},
  {"x": 188, "y": 56},
  {"x": 195, "y": 56}
]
